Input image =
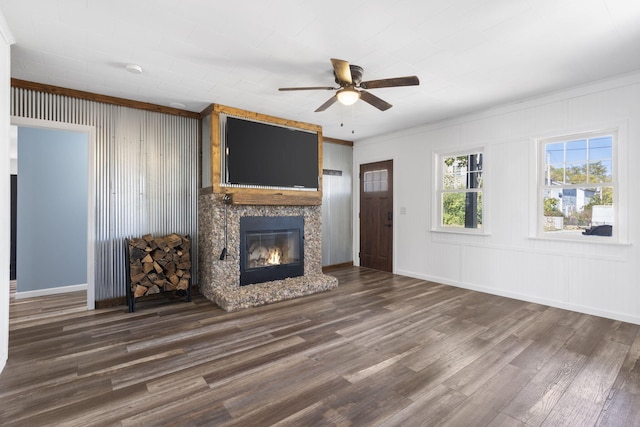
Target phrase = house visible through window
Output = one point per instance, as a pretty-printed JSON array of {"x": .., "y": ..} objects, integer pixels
[
  {"x": 578, "y": 186},
  {"x": 460, "y": 188}
]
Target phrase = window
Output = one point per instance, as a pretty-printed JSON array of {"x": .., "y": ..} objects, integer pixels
[
  {"x": 376, "y": 181},
  {"x": 459, "y": 192},
  {"x": 577, "y": 185}
]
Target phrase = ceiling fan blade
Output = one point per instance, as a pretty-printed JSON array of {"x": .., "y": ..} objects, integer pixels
[
  {"x": 380, "y": 104},
  {"x": 393, "y": 82},
  {"x": 309, "y": 88},
  {"x": 342, "y": 70},
  {"x": 327, "y": 104}
]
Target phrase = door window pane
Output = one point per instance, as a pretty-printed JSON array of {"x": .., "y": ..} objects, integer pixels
[{"x": 375, "y": 181}]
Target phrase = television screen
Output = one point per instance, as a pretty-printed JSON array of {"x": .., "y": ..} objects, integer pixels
[{"x": 261, "y": 154}]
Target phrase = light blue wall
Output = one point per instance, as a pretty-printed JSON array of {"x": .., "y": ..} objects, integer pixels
[{"x": 52, "y": 209}]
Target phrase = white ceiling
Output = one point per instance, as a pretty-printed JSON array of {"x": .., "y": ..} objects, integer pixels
[{"x": 468, "y": 54}]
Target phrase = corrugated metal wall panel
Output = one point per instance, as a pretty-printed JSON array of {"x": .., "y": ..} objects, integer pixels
[
  {"x": 146, "y": 167},
  {"x": 337, "y": 234}
]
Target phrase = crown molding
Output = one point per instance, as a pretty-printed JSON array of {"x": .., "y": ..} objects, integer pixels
[{"x": 5, "y": 32}]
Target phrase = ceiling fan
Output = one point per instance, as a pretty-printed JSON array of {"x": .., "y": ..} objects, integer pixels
[{"x": 349, "y": 77}]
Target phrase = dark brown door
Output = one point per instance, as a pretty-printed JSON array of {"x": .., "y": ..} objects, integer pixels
[{"x": 376, "y": 215}]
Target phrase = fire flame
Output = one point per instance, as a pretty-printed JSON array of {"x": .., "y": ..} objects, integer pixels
[{"x": 274, "y": 257}]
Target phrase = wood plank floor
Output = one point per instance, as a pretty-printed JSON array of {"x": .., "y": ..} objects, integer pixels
[{"x": 379, "y": 350}]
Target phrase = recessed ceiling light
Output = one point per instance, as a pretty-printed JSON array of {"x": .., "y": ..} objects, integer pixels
[
  {"x": 134, "y": 68},
  {"x": 177, "y": 105}
]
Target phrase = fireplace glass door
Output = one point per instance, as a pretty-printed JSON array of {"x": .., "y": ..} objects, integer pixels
[{"x": 271, "y": 248}]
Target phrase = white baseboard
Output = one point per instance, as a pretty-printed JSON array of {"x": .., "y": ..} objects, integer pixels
[
  {"x": 594, "y": 311},
  {"x": 51, "y": 291}
]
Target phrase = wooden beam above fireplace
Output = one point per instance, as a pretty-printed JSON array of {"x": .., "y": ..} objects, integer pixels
[
  {"x": 260, "y": 196},
  {"x": 247, "y": 197}
]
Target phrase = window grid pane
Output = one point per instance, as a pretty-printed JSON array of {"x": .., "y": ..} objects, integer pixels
[
  {"x": 462, "y": 172},
  {"x": 462, "y": 209},
  {"x": 375, "y": 181}
]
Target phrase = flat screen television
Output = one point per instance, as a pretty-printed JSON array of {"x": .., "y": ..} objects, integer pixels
[{"x": 263, "y": 155}]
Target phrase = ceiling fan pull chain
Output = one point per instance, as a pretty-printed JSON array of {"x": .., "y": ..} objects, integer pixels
[{"x": 353, "y": 121}]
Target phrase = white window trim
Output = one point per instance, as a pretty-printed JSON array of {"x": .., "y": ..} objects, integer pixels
[
  {"x": 436, "y": 214},
  {"x": 620, "y": 173}
]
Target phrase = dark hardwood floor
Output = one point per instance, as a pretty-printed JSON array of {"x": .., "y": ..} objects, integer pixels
[{"x": 379, "y": 350}]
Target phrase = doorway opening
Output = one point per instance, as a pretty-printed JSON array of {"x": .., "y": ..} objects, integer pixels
[{"x": 88, "y": 132}]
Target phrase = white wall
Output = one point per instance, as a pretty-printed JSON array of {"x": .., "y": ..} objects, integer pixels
[
  {"x": 599, "y": 279},
  {"x": 6, "y": 39}
]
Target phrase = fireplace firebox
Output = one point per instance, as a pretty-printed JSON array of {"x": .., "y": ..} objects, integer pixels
[{"x": 271, "y": 248}]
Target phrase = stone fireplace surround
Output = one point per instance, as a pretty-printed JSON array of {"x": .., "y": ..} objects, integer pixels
[{"x": 219, "y": 280}]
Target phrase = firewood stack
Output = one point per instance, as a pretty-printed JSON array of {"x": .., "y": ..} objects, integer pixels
[{"x": 159, "y": 264}]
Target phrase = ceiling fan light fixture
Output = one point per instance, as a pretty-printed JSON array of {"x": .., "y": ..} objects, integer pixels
[{"x": 348, "y": 96}]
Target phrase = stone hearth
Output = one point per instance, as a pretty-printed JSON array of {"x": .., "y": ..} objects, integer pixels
[{"x": 219, "y": 280}]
